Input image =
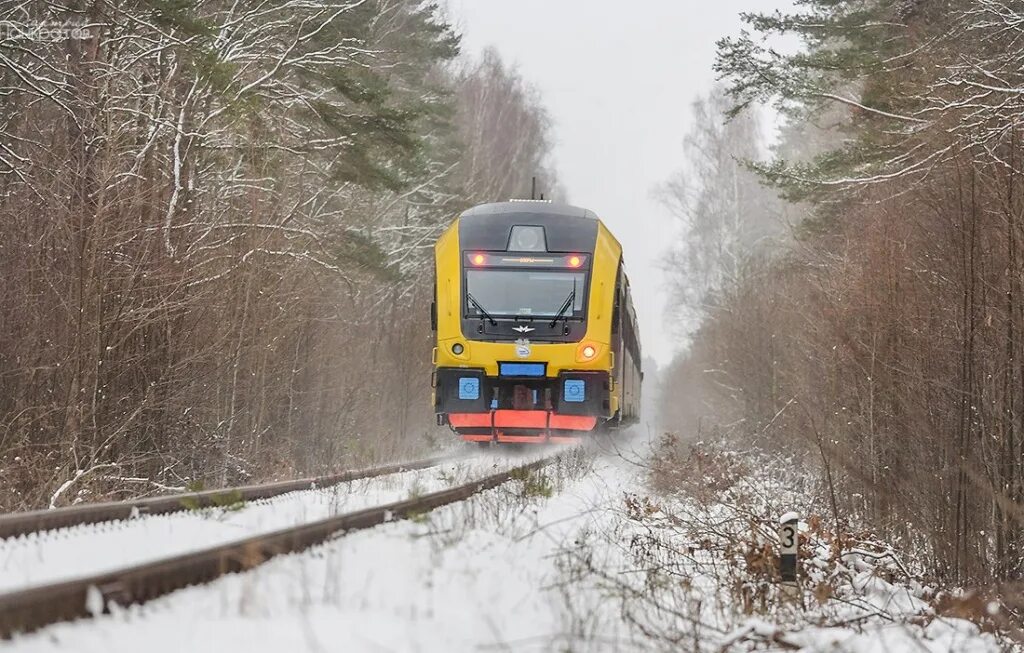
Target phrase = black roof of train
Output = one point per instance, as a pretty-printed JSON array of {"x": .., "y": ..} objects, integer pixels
[
  {"x": 532, "y": 207},
  {"x": 568, "y": 228}
]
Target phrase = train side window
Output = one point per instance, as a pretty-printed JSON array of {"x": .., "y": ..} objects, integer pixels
[
  {"x": 433, "y": 309},
  {"x": 617, "y": 306},
  {"x": 629, "y": 324}
]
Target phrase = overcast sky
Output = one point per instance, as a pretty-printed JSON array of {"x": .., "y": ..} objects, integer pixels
[{"x": 617, "y": 78}]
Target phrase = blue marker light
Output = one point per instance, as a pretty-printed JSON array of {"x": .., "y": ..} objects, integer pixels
[
  {"x": 469, "y": 387},
  {"x": 574, "y": 391}
]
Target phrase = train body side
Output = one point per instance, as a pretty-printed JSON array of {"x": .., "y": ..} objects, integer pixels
[{"x": 523, "y": 374}]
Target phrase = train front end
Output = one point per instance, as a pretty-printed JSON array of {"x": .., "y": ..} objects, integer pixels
[{"x": 523, "y": 312}]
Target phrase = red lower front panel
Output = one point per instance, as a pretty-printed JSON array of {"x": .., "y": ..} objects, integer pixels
[
  {"x": 469, "y": 420},
  {"x": 525, "y": 426},
  {"x": 572, "y": 422},
  {"x": 520, "y": 419}
]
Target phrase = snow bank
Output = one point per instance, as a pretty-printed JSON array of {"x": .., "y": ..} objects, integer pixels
[
  {"x": 93, "y": 548},
  {"x": 581, "y": 556}
]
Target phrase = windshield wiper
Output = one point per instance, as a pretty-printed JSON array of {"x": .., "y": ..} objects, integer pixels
[
  {"x": 483, "y": 311},
  {"x": 569, "y": 301}
]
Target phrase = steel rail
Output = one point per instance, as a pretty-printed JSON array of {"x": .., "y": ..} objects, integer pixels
[
  {"x": 24, "y": 523},
  {"x": 31, "y": 609}
]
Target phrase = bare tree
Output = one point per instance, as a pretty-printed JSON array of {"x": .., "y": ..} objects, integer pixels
[
  {"x": 723, "y": 212},
  {"x": 215, "y": 228},
  {"x": 886, "y": 345}
]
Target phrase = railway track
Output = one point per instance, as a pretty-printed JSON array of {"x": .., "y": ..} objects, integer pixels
[
  {"x": 30, "y": 609},
  {"x": 24, "y": 523}
]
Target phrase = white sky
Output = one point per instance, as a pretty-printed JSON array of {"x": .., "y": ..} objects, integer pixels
[{"x": 617, "y": 79}]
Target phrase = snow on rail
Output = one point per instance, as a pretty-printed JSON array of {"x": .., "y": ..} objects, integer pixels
[
  {"x": 463, "y": 575},
  {"x": 51, "y": 556},
  {"x": 568, "y": 559},
  {"x": 34, "y": 608},
  {"x": 23, "y": 523}
]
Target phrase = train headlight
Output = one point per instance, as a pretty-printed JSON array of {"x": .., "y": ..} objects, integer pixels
[
  {"x": 457, "y": 349},
  {"x": 586, "y": 352}
]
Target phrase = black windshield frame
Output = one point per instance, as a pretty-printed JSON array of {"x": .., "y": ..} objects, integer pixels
[{"x": 557, "y": 299}]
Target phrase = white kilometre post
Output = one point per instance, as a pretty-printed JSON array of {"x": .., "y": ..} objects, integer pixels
[{"x": 789, "y": 548}]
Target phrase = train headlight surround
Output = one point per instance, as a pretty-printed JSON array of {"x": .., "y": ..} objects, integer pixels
[
  {"x": 587, "y": 352},
  {"x": 458, "y": 348},
  {"x": 527, "y": 238}
]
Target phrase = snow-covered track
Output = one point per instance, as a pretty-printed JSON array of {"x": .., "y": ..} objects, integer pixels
[
  {"x": 34, "y": 608},
  {"x": 23, "y": 523}
]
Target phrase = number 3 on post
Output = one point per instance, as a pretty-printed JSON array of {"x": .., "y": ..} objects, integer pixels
[{"x": 789, "y": 544}]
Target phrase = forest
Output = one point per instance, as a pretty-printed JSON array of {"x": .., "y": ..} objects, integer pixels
[
  {"x": 217, "y": 233},
  {"x": 216, "y": 222},
  {"x": 855, "y": 295}
]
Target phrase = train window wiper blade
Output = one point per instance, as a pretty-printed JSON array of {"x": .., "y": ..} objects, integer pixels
[
  {"x": 569, "y": 301},
  {"x": 483, "y": 311}
]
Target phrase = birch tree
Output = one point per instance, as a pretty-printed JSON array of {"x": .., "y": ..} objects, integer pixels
[{"x": 723, "y": 212}]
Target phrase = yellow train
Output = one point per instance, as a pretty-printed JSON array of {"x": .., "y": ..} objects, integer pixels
[{"x": 536, "y": 333}]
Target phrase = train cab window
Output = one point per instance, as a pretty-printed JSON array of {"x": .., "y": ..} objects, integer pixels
[{"x": 524, "y": 292}]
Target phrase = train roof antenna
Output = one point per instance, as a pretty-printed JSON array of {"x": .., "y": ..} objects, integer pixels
[{"x": 533, "y": 189}]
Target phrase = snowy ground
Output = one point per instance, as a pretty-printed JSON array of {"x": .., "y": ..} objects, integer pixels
[
  {"x": 93, "y": 548},
  {"x": 696, "y": 571},
  {"x": 581, "y": 556},
  {"x": 479, "y": 575}
]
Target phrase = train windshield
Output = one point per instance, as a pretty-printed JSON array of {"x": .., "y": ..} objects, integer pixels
[{"x": 524, "y": 292}]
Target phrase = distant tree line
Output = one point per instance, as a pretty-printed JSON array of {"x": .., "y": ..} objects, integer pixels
[
  {"x": 216, "y": 223},
  {"x": 883, "y": 335}
]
